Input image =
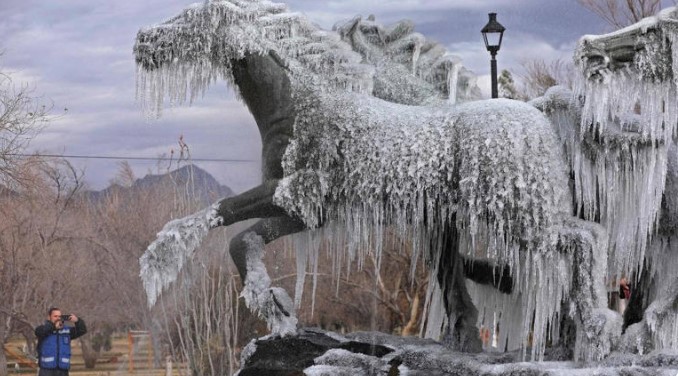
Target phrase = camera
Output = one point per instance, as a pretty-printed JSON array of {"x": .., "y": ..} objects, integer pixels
[{"x": 65, "y": 317}]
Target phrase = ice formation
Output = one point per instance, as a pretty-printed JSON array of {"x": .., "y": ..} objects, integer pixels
[
  {"x": 271, "y": 303},
  {"x": 415, "y": 356},
  {"x": 174, "y": 245},
  {"x": 409, "y": 68},
  {"x": 625, "y": 144},
  {"x": 180, "y": 58},
  {"x": 659, "y": 327},
  {"x": 382, "y": 137},
  {"x": 487, "y": 168}
]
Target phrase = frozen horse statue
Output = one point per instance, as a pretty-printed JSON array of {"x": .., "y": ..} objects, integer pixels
[
  {"x": 623, "y": 158},
  {"x": 367, "y": 127}
]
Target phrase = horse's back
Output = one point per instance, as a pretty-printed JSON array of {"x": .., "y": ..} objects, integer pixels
[{"x": 495, "y": 114}]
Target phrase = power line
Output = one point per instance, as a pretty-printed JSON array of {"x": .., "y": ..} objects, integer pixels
[{"x": 20, "y": 155}]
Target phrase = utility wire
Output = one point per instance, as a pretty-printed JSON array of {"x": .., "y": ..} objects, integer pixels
[{"x": 20, "y": 155}]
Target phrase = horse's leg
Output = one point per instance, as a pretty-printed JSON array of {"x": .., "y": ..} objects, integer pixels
[
  {"x": 462, "y": 332},
  {"x": 598, "y": 328},
  {"x": 638, "y": 302},
  {"x": 255, "y": 203},
  {"x": 247, "y": 250},
  {"x": 268, "y": 229},
  {"x": 164, "y": 258}
]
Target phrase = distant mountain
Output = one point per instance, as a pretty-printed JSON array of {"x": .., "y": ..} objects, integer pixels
[{"x": 200, "y": 183}]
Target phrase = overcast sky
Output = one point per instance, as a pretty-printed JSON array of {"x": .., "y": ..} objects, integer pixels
[{"x": 78, "y": 54}]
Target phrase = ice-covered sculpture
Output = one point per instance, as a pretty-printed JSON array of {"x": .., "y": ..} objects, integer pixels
[
  {"x": 631, "y": 111},
  {"x": 370, "y": 126}
]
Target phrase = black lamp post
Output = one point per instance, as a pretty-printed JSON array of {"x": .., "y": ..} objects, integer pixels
[{"x": 493, "y": 33}]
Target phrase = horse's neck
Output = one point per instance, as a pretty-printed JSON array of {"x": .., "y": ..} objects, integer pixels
[{"x": 265, "y": 87}]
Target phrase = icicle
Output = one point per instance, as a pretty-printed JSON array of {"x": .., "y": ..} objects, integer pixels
[
  {"x": 356, "y": 164},
  {"x": 525, "y": 316},
  {"x": 453, "y": 78},
  {"x": 619, "y": 153},
  {"x": 434, "y": 311},
  {"x": 302, "y": 262},
  {"x": 649, "y": 81},
  {"x": 661, "y": 318},
  {"x": 510, "y": 185},
  {"x": 415, "y": 56}
]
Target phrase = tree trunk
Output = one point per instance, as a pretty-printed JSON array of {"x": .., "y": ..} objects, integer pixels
[
  {"x": 89, "y": 355},
  {"x": 3, "y": 358},
  {"x": 412, "y": 327},
  {"x": 3, "y": 362}
]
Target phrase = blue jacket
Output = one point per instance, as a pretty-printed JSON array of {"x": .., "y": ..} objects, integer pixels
[
  {"x": 54, "y": 346},
  {"x": 55, "y": 350}
]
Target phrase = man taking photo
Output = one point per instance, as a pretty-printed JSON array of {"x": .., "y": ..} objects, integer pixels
[{"x": 54, "y": 342}]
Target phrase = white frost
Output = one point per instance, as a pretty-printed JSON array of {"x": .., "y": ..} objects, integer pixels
[
  {"x": 271, "y": 303},
  {"x": 489, "y": 168},
  {"x": 376, "y": 144},
  {"x": 180, "y": 58},
  {"x": 165, "y": 257}
]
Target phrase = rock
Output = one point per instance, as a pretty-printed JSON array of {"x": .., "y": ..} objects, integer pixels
[
  {"x": 314, "y": 352},
  {"x": 291, "y": 355}
]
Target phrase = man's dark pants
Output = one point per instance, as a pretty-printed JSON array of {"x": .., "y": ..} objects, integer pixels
[{"x": 52, "y": 372}]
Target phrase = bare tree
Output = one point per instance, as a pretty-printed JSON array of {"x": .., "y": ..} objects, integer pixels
[
  {"x": 356, "y": 296},
  {"x": 539, "y": 75},
  {"x": 32, "y": 246},
  {"x": 195, "y": 318},
  {"x": 621, "y": 13},
  {"x": 22, "y": 117},
  {"x": 200, "y": 314},
  {"x": 123, "y": 223}
]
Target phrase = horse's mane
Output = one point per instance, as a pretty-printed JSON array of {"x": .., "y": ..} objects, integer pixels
[
  {"x": 410, "y": 68},
  {"x": 184, "y": 55}
]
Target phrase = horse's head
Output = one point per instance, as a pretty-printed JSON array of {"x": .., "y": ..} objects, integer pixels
[
  {"x": 182, "y": 56},
  {"x": 632, "y": 70},
  {"x": 213, "y": 33},
  {"x": 644, "y": 48},
  {"x": 185, "y": 54}
]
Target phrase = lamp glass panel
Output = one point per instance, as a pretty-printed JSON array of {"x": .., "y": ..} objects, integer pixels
[{"x": 492, "y": 39}]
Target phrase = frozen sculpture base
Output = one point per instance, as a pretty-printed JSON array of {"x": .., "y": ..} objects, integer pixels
[
  {"x": 369, "y": 127},
  {"x": 314, "y": 352}
]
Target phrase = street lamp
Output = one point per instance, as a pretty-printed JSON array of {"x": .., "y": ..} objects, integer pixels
[{"x": 493, "y": 33}]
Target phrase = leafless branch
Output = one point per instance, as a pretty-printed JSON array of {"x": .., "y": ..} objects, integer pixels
[
  {"x": 621, "y": 13},
  {"x": 539, "y": 75}
]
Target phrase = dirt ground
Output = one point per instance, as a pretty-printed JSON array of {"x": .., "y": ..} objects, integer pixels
[{"x": 111, "y": 363}]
